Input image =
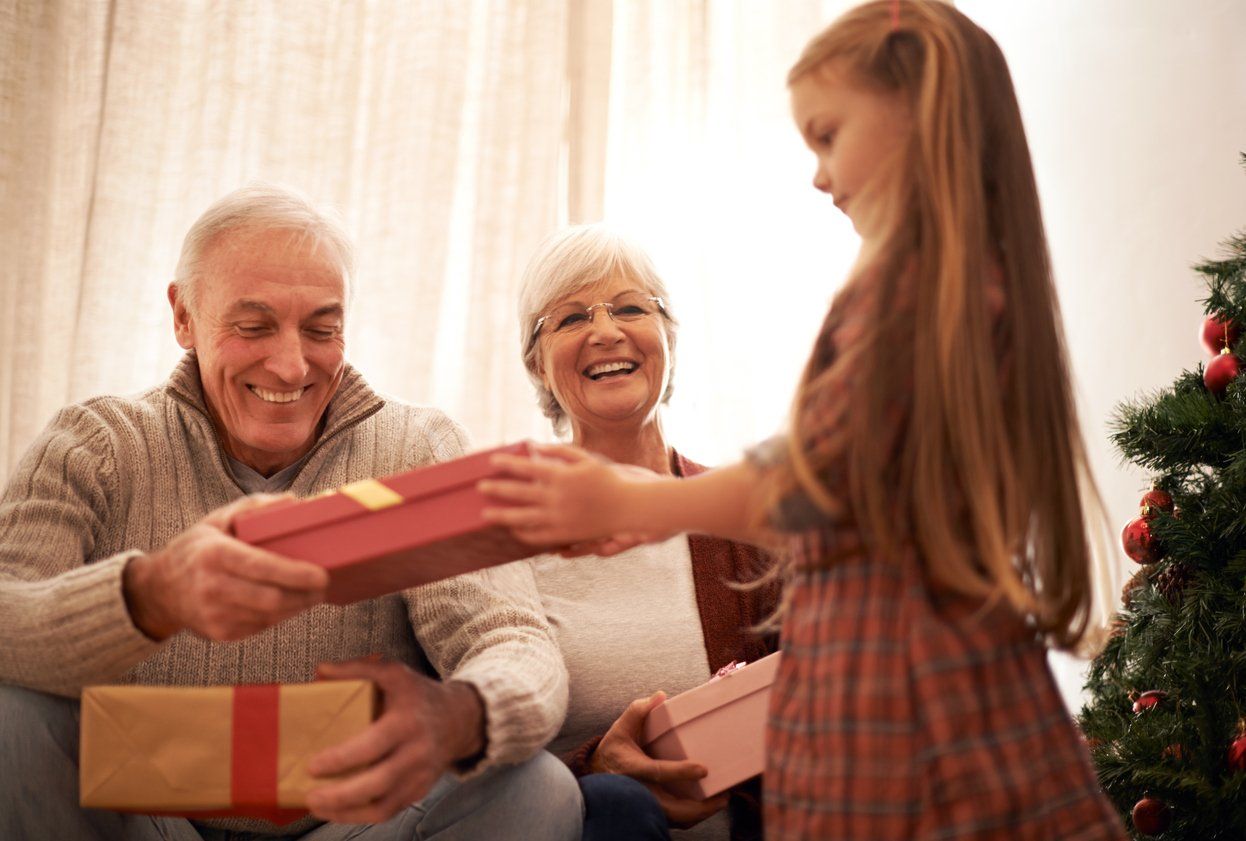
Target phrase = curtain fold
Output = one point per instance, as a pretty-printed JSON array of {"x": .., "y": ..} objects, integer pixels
[{"x": 52, "y": 79}]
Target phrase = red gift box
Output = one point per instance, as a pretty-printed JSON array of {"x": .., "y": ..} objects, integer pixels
[
  {"x": 720, "y": 724},
  {"x": 383, "y": 535}
]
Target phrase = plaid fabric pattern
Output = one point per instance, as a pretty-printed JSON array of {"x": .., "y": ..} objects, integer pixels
[{"x": 902, "y": 714}]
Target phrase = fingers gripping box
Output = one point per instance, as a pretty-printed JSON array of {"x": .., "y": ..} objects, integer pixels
[
  {"x": 720, "y": 724},
  {"x": 213, "y": 751},
  {"x": 380, "y": 536}
]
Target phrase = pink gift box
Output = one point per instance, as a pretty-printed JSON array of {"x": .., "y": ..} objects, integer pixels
[{"x": 720, "y": 724}]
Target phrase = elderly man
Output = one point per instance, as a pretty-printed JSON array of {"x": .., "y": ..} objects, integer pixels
[{"x": 116, "y": 566}]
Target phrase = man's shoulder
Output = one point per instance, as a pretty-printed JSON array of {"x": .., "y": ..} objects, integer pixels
[
  {"x": 421, "y": 428},
  {"x": 114, "y": 411}
]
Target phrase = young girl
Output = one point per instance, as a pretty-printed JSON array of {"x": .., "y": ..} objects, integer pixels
[{"x": 928, "y": 492}]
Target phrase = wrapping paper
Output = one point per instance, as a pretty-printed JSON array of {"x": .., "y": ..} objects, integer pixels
[
  {"x": 720, "y": 724},
  {"x": 213, "y": 751},
  {"x": 380, "y": 536}
]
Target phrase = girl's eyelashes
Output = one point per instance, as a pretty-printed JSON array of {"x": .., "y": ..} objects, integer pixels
[{"x": 823, "y": 138}]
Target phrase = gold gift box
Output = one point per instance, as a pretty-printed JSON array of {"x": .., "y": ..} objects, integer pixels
[{"x": 213, "y": 751}]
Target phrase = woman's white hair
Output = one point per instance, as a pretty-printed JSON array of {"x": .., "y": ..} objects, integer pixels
[
  {"x": 262, "y": 206},
  {"x": 566, "y": 262}
]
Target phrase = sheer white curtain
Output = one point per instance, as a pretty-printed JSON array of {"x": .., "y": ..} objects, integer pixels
[
  {"x": 436, "y": 127},
  {"x": 704, "y": 166},
  {"x": 453, "y": 136}
]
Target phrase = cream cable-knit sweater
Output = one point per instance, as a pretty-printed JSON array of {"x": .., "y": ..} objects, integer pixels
[{"x": 113, "y": 477}]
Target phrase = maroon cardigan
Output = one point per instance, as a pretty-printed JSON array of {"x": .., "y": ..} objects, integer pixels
[{"x": 727, "y": 617}]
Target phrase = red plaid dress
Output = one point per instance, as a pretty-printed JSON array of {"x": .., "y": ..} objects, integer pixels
[{"x": 901, "y": 714}]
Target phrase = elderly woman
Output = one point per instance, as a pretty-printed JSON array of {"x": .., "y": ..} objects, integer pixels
[{"x": 598, "y": 341}]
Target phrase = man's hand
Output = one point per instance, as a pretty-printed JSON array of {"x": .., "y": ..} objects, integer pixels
[
  {"x": 620, "y": 753},
  {"x": 208, "y": 582},
  {"x": 424, "y": 727}
]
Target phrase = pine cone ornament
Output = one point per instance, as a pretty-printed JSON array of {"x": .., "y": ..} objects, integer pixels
[
  {"x": 1133, "y": 587},
  {"x": 1171, "y": 581}
]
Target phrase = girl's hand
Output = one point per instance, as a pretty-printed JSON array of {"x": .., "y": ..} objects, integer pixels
[
  {"x": 562, "y": 497},
  {"x": 620, "y": 753}
]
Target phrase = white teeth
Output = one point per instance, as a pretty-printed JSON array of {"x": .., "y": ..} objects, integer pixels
[
  {"x": 276, "y": 396},
  {"x": 610, "y": 367}
]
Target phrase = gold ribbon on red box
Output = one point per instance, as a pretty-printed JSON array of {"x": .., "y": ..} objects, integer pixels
[{"x": 371, "y": 494}]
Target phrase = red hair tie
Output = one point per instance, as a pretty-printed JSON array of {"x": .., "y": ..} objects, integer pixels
[{"x": 895, "y": 15}]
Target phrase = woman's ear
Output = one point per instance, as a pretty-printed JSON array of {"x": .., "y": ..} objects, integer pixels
[{"x": 540, "y": 368}]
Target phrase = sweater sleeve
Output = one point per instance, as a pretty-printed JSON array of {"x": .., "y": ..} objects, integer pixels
[
  {"x": 488, "y": 628},
  {"x": 65, "y": 622}
]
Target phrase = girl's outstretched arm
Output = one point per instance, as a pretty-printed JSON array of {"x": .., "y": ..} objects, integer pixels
[{"x": 567, "y": 495}]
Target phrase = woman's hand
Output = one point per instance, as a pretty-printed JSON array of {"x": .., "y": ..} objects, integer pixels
[
  {"x": 565, "y": 496},
  {"x": 620, "y": 753}
]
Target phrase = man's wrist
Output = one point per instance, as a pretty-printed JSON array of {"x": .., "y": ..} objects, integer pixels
[{"x": 138, "y": 585}]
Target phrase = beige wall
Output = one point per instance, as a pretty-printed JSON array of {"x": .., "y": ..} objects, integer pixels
[{"x": 1136, "y": 115}]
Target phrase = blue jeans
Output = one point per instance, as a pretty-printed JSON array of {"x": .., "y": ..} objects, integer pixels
[
  {"x": 538, "y": 799},
  {"x": 618, "y": 808}
]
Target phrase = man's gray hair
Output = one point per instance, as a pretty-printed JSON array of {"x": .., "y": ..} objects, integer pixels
[
  {"x": 262, "y": 206},
  {"x": 566, "y": 262}
]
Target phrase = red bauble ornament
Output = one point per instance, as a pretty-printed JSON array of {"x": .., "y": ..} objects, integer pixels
[
  {"x": 1151, "y": 815},
  {"x": 1154, "y": 501},
  {"x": 1149, "y": 700},
  {"x": 1218, "y": 333},
  {"x": 1237, "y": 754},
  {"x": 1220, "y": 372},
  {"x": 1140, "y": 545}
]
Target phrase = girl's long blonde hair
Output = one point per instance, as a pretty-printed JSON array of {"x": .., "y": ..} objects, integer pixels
[{"x": 990, "y": 470}]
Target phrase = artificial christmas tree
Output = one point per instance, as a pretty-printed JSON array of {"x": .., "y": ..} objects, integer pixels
[{"x": 1166, "y": 718}]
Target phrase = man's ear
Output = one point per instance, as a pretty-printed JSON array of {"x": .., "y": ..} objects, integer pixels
[{"x": 183, "y": 328}]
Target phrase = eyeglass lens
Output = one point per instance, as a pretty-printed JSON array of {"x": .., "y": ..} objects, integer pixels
[{"x": 627, "y": 307}]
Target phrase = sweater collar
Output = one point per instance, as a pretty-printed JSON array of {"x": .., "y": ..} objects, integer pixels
[{"x": 354, "y": 400}]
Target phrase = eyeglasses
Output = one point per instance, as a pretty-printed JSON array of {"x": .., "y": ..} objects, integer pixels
[{"x": 571, "y": 318}]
